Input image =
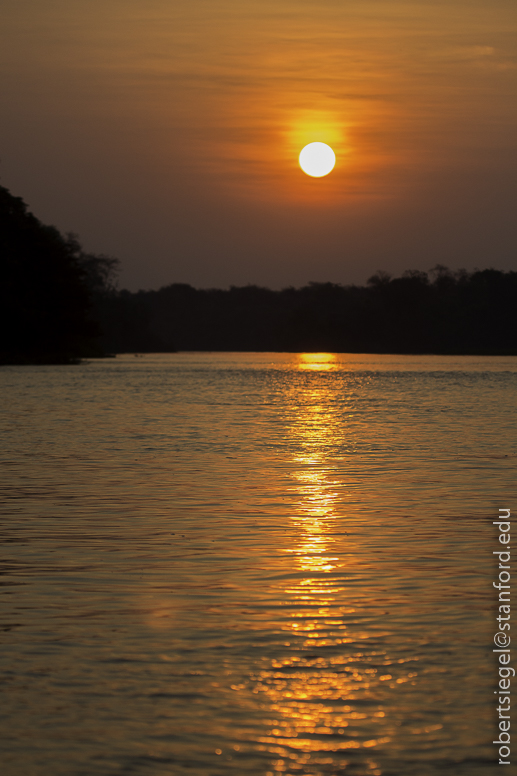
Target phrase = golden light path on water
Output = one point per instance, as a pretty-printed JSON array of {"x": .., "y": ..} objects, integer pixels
[{"x": 313, "y": 698}]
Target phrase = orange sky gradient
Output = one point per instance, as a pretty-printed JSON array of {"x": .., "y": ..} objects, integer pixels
[{"x": 168, "y": 133}]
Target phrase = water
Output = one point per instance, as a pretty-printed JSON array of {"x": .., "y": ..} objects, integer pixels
[{"x": 263, "y": 564}]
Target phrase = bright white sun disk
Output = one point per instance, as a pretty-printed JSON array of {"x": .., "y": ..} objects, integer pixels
[{"x": 317, "y": 159}]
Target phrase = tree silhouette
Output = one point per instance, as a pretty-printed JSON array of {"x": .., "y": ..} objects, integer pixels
[{"x": 46, "y": 290}]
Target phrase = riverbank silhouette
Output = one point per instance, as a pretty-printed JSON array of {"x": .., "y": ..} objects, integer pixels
[{"x": 59, "y": 304}]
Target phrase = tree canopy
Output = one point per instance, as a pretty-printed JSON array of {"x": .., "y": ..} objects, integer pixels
[{"x": 47, "y": 289}]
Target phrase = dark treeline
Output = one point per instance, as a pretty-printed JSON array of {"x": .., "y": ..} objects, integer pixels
[{"x": 436, "y": 312}]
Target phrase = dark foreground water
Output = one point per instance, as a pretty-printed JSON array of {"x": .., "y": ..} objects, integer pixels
[{"x": 252, "y": 564}]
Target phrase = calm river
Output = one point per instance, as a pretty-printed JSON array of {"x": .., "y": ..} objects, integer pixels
[{"x": 252, "y": 564}]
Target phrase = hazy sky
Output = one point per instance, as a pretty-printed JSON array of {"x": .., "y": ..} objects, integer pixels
[{"x": 167, "y": 133}]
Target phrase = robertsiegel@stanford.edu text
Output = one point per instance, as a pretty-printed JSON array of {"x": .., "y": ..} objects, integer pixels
[{"x": 502, "y": 638}]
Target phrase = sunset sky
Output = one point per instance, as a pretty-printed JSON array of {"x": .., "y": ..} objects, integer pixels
[{"x": 167, "y": 133}]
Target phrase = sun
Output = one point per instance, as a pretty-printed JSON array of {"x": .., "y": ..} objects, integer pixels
[{"x": 317, "y": 159}]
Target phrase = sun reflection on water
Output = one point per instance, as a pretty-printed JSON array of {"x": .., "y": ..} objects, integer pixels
[
  {"x": 324, "y": 704},
  {"x": 317, "y": 362}
]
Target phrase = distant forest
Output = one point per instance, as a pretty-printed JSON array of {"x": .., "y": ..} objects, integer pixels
[
  {"x": 59, "y": 304},
  {"x": 436, "y": 312}
]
